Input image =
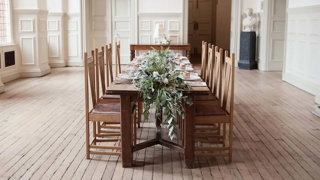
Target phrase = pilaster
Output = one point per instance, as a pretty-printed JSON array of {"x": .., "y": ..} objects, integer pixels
[{"x": 31, "y": 35}]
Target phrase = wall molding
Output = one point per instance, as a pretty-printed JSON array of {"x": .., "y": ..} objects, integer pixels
[
  {"x": 30, "y": 11},
  {"x": 306, "y": 9},
  {"x": 24, "y": 52},
  {"x": 302, "y": 83},
  {"x": 302, "y": 43},
  {"x": 23, "y": 22}
]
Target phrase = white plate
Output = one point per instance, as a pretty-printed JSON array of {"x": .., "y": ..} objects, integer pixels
[
  {"x": 126, "y": 77},
  {"x": 182, "y": 57},
  {"x": 196, "y": 83},
  {"x": 187, "y": 62},
  {"x": 186, "y": 69},
  {"x": 192, "y": 78}
]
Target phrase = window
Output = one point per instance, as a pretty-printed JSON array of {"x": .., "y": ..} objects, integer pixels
[{"x": 5, "y": 22}]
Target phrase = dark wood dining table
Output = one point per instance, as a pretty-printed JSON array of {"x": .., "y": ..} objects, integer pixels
[
  {"x": 140, "y": 47},
  {"x": 129, "y": 94}
]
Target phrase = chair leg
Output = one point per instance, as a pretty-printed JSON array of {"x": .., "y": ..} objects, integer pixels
[
  {"x": 224, "y": 134},
  {"x": 87, "y": 139},
  {"x": 134, "y": 124},
  {"x": 99, "y": 128},
  {"x": 230, "y": 141},
  {"x": 94, "y": 131}
]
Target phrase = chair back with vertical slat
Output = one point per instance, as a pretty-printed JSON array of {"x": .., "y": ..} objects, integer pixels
[
  {"x": 210, "y": 69},
  {"x": 109, "y": 64},
  {"x": 118, "y": 63},
  {"x": 101, "y": 63},
  {"x": 90, "y": 80},
  {"x": 228, "y": 83},
  {"x": 217, "y": 80},
  {"x": 204, "y": 59},
  {"x": 209, "y": 64}
]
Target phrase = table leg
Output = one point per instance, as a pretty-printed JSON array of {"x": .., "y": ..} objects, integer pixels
[
  {"x": 158, "y": 124},
  {"x": 189, "y": 134},
  {"x": 126, "y": 131}
]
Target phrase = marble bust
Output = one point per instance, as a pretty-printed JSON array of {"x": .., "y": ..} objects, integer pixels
[{"x": 249, "y": 21}]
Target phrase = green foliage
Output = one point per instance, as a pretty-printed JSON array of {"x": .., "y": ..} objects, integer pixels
[{"x": 160, "y": 85}]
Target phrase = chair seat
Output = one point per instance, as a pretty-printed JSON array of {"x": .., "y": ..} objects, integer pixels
[
  {"x": 210, "y": 97},
  {"x": 110, "y": 108},
  {"x": 110, "y": 96},
  {"x": 209, "y": 110}
]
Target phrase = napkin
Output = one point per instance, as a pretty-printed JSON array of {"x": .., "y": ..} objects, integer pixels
[{"x": 196, "y": 83}]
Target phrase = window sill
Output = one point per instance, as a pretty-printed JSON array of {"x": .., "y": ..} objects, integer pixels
[{"x": 7, "y": 45}]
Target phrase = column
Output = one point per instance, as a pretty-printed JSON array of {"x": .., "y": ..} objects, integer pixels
[{"x": 31, "y": 34}]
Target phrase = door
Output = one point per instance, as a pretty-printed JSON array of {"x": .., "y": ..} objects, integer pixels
[
  {"x": 276, "y": 34},
  {"x": 200, "y": 24},
  {"x": 123, "y": 30}
]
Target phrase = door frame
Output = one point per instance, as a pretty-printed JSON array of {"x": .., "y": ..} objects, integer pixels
[{"x": 86, "y": 33}]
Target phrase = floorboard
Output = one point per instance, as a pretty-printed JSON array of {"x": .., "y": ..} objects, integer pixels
[{"x": 42, "y": 134}]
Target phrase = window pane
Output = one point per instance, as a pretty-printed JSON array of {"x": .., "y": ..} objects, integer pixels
[{"x": 4, "y": 21}]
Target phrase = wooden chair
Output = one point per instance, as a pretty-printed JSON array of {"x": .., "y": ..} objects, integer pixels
[
  {"x": 222, "y": 114},
  {"x": 98, "y": 113},
  {"x": 118, "y": 69},
  {"x": 213, "y": 74},
  {"x": 102, "y": 67},
  {"x": 204, "y": 59},
  {"x": 107, "y": 70}
]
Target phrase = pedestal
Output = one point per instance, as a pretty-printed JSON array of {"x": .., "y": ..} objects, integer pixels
[{"x": 247, "y": 51}]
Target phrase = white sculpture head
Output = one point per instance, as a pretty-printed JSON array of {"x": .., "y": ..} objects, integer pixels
[
  {"x": 249, "y": 12},
  {"x": 249, "y": 21}
]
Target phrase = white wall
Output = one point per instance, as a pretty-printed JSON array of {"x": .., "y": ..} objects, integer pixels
[
  {"x": 23, "y": 4},
  {"x": 302, "y": 3},
  {"x": 160, "y": 6},
  {"x": 254, "y": 4},
  {"x": 302, "y": 66}
]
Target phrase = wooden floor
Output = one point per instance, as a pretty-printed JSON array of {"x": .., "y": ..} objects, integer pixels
[{"x": 42, "y": 134}]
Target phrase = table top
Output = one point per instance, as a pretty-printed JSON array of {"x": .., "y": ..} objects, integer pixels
[
  {"x": 157, "y": 46},
  {"x": 130, "y": 89}
]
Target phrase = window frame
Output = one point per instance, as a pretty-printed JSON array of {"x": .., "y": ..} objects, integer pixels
[{"x": 10, "y": 37}]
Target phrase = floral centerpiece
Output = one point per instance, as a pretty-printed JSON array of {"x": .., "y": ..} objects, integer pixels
[{"x": 160, "y": 85}]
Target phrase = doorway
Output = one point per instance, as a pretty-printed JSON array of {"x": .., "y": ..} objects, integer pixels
[
  {"x": 200, "y": 19},
  {"x": 208, "y": 20}
]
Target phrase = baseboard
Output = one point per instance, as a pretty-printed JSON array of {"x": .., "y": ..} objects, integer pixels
[
  {"x": 316, "y": 110},
  {"x": 6, "y": 77},
  {"x": 74, "y": 64},
  {"x": 57, "y": 63},
  {"x": 318, "y": 99},
  {"x": 35, "y": 72},
  {"x": 302, "y": 83},
  {"x": 1, "y": 87}
]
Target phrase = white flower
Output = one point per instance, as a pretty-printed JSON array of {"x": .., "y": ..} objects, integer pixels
[
  {"x": 165, "y": 81},
  {"x": 155, "y": 73}
]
